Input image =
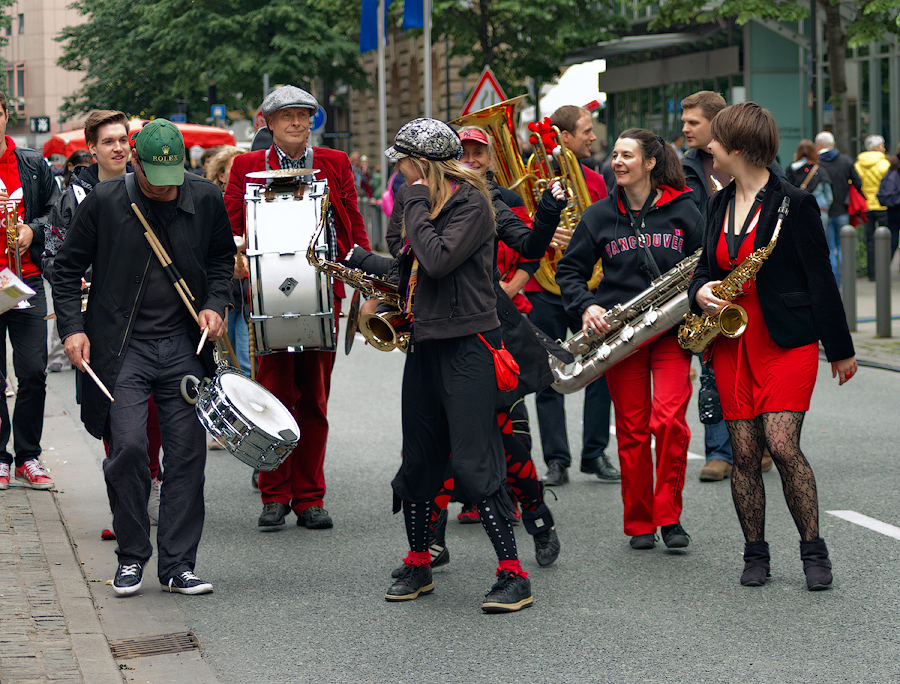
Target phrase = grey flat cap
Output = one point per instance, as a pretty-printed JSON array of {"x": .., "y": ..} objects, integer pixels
[
  {"x": 288, "y": 96},
  {"x": 427, "y": 139}
]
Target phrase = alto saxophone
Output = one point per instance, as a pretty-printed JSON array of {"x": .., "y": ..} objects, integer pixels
[
  {"x": 697, "y": 331},
  {"x": 634, "y": 323},
  {"x": 384, "y": 329}
]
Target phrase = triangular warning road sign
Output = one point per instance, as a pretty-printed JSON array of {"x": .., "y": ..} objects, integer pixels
[{"x": 487, "y": 92}]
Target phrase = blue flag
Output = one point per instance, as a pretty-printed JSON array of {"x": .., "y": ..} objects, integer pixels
[
  {"x": 368, "y": 24},
  {"x": 413, "y": 14}
]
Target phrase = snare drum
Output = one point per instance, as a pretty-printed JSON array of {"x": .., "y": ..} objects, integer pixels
[
  {"x": 245, "y": 418},
  {"x": 291, "y": 304}
]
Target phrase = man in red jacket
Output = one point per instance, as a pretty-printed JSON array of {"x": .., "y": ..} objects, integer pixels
[{"x": 300, "y": 380}]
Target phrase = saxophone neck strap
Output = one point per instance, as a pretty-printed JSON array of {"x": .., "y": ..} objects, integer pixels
[
  {"x": 650, "y": 265},
  {"x": 733, "y": 241}
]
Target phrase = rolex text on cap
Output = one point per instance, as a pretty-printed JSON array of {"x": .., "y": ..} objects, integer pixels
[{"x": 160, "y": 146}]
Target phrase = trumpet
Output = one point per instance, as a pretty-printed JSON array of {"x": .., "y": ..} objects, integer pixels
[{"x": 14, "y": 258}]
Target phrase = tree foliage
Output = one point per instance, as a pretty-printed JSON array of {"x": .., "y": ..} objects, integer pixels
[
  {"x": 523, "y": 38},
  {"x": 143, "y": 57},
  {"x": 848, "y": 23}
]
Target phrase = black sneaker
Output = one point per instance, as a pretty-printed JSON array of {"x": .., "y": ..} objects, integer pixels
[
  {"x": 675, "y": 537},
  {"x": 557, "y": 475},
  {"x": 272, "y": 517},
  {"x": 128, "y": 579},
  {"x": 414, "y": 581},
  {"x": 546, "y": 547},
  {"x": 315, "y": 518},
  {"x": 510, "y": 593},
  {"x": 187, "y": 583},
  {"x": 602, "y": 468},
  {"x": 642, "y": 542}
]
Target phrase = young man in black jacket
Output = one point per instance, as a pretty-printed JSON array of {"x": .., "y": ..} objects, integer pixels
[{"x": 26, "y": 180}]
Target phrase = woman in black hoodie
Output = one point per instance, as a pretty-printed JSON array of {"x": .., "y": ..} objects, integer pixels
[
  {"x": 449, "y": 386},
  {"x": 643, "y": 230}
]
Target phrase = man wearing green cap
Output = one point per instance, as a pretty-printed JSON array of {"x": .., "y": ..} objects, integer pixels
[{"x": 139, "y": 338}]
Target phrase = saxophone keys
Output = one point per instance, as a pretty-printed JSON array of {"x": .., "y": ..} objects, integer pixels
[
  {"x": 628, "y": 333},
  {"x": 651, "y": 317},
  {"x": 604, "y": 352}
]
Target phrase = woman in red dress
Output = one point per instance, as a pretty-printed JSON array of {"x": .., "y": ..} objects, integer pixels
[{"x": 766, "y": 376}]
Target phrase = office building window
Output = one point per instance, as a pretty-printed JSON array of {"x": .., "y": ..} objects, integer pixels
[
  {"x": 21, "y": 23},
  {"x": 15, "y": 86}
]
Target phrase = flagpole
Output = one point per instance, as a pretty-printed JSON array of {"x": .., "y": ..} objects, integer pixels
[
  {"x": 427, "y": 41},
  {"x": 382, "y": 116}
]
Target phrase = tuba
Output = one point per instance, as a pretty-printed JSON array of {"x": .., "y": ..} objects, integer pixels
[
  {"x": 696, "y": 333},
  {"x": 633, "y": 324},
  {"x": 547, "y": 142},
  {"x": 498, "y": 120}
]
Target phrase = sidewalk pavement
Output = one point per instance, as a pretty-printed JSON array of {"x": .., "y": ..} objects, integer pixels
[{"x": 57, "y": 615}]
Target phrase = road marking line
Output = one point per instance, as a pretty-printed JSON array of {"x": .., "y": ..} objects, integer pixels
[{"x": 866, "y": 521}]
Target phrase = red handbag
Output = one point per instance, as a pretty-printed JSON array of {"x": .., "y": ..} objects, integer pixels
[
  {"x": 505, "y": 367},
  {"x": 857, "y": 207}
]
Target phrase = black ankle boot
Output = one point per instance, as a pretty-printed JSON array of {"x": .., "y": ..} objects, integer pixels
[
  {"x": 816, "y": 565},
  {"x": 756, "y": 564}
]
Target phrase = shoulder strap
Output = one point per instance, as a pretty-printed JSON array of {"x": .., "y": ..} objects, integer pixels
[{"x": 812, "y": 172}]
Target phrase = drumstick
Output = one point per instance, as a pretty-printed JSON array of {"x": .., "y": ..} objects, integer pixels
[
  {"x": 99, "y": 382},
  {"x": 203, "y": 339},
  {"x": 160, "y": 251}
]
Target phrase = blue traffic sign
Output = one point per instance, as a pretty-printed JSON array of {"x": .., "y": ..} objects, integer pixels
[
  {"x": 217, "y": 111},
  {"x": 319, "y": 120}
]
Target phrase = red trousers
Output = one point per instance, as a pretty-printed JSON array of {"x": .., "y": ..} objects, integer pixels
[
  {"x": 302, "y": 382},
  {"x": 650, "y": 391}
]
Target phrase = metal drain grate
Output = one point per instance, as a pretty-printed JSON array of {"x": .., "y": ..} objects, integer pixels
[{"x": 139, "y": 647}]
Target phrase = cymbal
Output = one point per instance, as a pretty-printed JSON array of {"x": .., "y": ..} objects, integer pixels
[{"x": 282, "y": 173}]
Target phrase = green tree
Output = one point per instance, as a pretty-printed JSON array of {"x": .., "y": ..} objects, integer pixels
[
  {"x": 519, "y": 39},
  {"x": 848, "y": 23},
  {"x": 143, "y": 58}
]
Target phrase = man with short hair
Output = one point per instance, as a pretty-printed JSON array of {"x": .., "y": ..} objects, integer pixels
[
  {"x": 843, "y": 174},
  {"x": 140, "y": 340},
  {"x": 697, "y": 112},
  {"x": 26, "y": 180},
  {"x": 300, "y": 380},
  {"x": 548, "y": 314},
  {"x": 872, "y": 165}
]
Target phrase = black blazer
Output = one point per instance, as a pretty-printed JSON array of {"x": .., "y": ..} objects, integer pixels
[{"x": 797, "y": 291}]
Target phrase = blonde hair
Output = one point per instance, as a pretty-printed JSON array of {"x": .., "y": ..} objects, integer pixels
[
  {"x": 441, "y": 175},
  {"x": 218, "y": 163}
]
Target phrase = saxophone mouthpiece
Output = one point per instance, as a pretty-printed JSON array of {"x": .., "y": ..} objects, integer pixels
[{"x": 783, "y": 209}]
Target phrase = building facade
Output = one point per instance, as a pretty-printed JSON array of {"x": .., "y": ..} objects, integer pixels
[{"x": 34, "y": 82}]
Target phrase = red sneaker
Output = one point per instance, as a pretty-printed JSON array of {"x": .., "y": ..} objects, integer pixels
[
  {"x": 4, "y": 475},
  {"x": 34, "y": 474},
  {"x": 469, "y": 515},
  {"x": 107, "y": 534}
]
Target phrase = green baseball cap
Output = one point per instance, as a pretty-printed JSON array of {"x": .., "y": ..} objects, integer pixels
[{"x": 160, "y": 146}]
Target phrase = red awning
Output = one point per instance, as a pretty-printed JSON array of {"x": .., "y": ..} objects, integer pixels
[{"x": 194, "y": 134}]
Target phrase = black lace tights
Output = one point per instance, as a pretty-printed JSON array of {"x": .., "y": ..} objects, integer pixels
[{"x": 781, "y": 433}]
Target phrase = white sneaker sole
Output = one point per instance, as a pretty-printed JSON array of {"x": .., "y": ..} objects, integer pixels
[
  {"x": 205, "y": 588},
  {"x": 127, "y": 591}
]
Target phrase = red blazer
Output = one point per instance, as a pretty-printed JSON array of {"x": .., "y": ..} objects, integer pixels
[{"x": 334, "y": 166}]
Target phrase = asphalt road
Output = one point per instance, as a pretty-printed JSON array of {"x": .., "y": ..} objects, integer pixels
[{"x": 307, "y": 606}]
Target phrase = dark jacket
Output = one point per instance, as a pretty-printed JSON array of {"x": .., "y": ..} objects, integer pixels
[
  {"x": 454, "y": 294},
  {"x": 796, "y": 176},
  {"x": 63, "y": 210},
  {"x": 40, "y": 192},
  {"x": 692, "y": 164},
  {"x": 106, "y": 233},
  {"x": 797, "y": 290},
  {"x": 843, "y": 174},
  {"x": 673, "y": 226}
]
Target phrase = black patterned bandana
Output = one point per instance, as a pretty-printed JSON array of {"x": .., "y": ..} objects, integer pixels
[{"x": 427, "y": 139}]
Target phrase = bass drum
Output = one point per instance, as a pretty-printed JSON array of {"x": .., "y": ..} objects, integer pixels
[
  {"x": 291, "y": 305},
  {"x": 244, "y": 417}
]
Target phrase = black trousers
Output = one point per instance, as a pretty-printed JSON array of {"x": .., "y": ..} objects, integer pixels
[
  {"x": 449, "y": 406},
  {"x": 156, "y": 367},
  {"x": 27, "y": 331},
  {"x": 548, "y": 314}
]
